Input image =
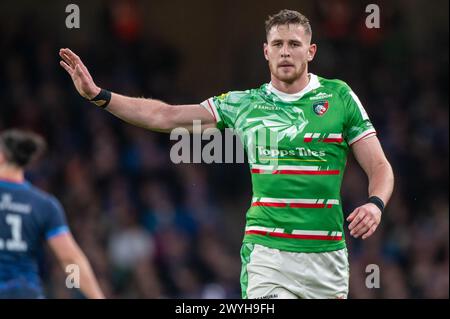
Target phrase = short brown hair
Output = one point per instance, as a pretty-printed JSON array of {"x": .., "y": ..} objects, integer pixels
[{"x": 285, "y": 17}]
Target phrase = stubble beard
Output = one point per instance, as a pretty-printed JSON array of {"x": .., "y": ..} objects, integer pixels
[{"x": 290, "y": 77}]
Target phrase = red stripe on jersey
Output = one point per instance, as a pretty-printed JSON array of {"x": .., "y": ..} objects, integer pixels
[
  {"x": 368, "y": 134},
  {"x": 295, "y": 172},
  {"x": 303, "y": 172},
  {"x": 294, "y": 236},
  {"x": 212, "y": 111},
  {"x": 269, "y": 204},
  {"x": 333, "y": 140},
  {"x": 305, "y": 205},
  {"x": 292, "y": 205}
]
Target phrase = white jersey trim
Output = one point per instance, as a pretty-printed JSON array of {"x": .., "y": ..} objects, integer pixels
[
  {"x": 312, "y": 85},
  {"x": 212, "y": 108},
  {"x": 360, "y": 106},
  {"x": 367, "y": 133},
  {"x": 324, "y": 233}
]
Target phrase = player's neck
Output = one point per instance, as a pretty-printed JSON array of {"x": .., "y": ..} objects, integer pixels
[
  {"x": 11, "y": 174},
  {"x": 291, "y": 88}
]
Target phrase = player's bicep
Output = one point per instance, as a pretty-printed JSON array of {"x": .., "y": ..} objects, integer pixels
[
  {"x": 369, "y": 153},
  {"x": 186, "y": 116}
]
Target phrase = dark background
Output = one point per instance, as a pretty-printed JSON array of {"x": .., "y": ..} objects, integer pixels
[{"x": 153, "y": 229}]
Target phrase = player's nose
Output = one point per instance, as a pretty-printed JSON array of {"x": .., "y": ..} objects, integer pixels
[{"x": 285, "y": 51}]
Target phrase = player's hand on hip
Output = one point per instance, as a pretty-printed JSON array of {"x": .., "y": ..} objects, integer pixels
[
  {"x": 364, "y": 220},
  {"x": 81, "y": 78}
]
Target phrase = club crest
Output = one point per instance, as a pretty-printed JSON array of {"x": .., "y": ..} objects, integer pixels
[{"x": 320, "y": 107}]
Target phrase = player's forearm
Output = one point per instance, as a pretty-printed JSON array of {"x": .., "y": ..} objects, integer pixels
[
  {"x": 381, "y": 181},
  {"x": 88, "y": 282},
  {"x": 146, "y": 113}
]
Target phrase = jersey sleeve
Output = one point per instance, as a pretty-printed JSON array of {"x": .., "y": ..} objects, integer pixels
[
  {"x": 55, "y": 223},
  {"x": 357, "y": 123},
  {"x": 224, "y": 108}
]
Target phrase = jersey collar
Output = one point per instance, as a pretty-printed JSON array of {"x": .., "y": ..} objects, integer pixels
[
  {"x": 13, "y": 184},
  {"x": 286, "y": 97}
]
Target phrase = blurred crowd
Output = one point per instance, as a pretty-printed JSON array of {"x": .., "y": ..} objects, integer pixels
[{"x": 154, "y": 229}]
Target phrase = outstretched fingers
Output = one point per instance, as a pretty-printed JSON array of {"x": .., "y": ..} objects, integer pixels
[
  {"x": 66, "y": 67},
  {"x": 73, "y": 57},
  {"x": 79, "y": 73},
  {"x": 75, "y": 60},
  {"x": 66, "y": 58}
]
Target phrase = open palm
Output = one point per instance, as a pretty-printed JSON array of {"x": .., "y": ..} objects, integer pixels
[{"x": 81, "y": 78}]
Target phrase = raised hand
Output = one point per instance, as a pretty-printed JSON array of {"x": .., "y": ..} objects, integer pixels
[{"x": 81, "y": 78}]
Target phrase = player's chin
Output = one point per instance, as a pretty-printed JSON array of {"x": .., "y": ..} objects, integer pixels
[{"x": 287, "y": 77}]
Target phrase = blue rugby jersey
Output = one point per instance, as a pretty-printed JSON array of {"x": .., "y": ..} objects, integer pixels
[{"x": 28, "y": 217}]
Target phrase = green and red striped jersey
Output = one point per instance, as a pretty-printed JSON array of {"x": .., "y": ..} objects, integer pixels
[{"x": 297, "y": 146}]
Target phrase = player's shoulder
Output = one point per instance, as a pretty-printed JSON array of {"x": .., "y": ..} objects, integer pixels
[
  {"x": 42, "y": 197},
  {"x": 239, "y": 95},
  {"x": 336, "y": 85}
]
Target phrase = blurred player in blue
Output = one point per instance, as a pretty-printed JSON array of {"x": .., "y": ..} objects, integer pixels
[{"x": 28, "y": 218}]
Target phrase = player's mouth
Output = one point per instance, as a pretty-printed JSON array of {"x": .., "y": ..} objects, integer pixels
[{"x": 285, "y": 65}]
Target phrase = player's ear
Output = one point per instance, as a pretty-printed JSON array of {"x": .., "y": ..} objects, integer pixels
[
  {"x": 266, "y": 55},
  {"x": 311, "y": 52}
]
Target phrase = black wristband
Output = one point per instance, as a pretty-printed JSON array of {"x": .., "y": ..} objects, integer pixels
[
  {"x": 377, "y": 201},
  {"x": 102, "y": 99}
]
